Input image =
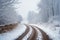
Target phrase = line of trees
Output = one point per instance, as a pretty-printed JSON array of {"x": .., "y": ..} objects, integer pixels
[{"x": 48, "y": 9}]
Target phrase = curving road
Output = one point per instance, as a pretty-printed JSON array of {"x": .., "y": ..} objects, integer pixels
[{"x": 33, "y": 33}]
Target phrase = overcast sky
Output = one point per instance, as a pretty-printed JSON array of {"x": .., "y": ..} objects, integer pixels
[{"x": 27, "y": 5}]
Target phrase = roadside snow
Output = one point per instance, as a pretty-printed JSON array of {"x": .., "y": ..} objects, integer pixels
[
  {"x": 52, "y": 32},
  {"x": 12, "y": 35}
]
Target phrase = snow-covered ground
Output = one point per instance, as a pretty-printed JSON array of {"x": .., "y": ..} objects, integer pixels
[
  {"x": 12, "y": 35},
  {"x": 52, "y": 32}
]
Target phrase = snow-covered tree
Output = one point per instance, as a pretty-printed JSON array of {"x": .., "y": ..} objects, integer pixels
[
  {"x": 8, "y": 14},
  {"x": 44, "y": 6},
  {"x": 48, "y": 9}
]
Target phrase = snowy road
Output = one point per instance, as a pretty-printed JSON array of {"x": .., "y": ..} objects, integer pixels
[{"x": 33, "y": 33}]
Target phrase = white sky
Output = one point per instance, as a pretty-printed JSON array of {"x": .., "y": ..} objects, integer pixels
[{"x": 26, "y": 6}]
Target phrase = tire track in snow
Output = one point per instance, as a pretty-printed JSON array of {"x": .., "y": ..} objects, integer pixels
[
  {"x": 26, "y": 31},
  {"x": 44, "y": 35},
  {"x": 38, "y": 35},
  {"x": 28, "y": 34},
  {"x": 33, "y": 33}
]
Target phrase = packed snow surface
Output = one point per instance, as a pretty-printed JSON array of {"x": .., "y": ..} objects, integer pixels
[
  {"x": 39, "y": 34},
  {"x": 28, "y": 34}
]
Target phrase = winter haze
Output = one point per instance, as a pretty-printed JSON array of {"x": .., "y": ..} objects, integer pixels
[
  {"x": 34, "y": 17},
  {"x": 26, "y": 6}
]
